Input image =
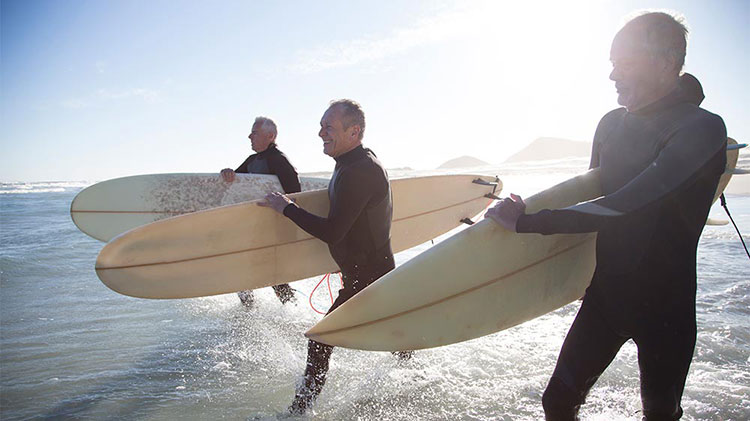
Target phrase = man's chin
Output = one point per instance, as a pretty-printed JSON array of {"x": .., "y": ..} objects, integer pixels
[{"x": 624, "y": 99}]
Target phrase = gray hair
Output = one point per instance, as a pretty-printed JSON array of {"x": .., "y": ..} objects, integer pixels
[
  {"x": 267, "y": 125},
  {"x": 664, "y": 34},
  {"x": 353, "y": 114}
]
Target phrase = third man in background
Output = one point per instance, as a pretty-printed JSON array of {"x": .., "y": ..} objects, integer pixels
[{"x": 268, "y": 159}]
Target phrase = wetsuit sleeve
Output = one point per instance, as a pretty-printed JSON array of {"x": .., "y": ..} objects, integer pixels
[
  {"x": 559, "y": 221},
  {"x": 688, "y": 155},
  {"x": 600, "y": 136},
  {"x": 563, "y": 221},
  {"x": 278, "y": 164},
  {"x": 594, "y": 163},
  {"x": 352, "y": 195}
]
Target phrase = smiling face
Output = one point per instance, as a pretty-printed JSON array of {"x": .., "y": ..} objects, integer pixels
[
  {"x": 640, "y": 76},
  {"x": 337, "y": 138},
  {"x": 260, "y": 139}
]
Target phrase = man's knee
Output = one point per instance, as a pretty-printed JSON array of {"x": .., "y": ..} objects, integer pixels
[
  {"x": 560, "y": 401},
  {"x": 318, "y": 355}
]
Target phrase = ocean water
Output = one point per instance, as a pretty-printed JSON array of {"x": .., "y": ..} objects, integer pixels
[{"x": 72, "y": 348}]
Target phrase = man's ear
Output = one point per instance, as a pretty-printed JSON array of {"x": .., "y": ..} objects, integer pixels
[
  {"x": 355, "y": 131},
  {"x": 670, "y": 63}
]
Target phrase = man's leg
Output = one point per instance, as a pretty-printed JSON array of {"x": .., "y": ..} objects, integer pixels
[
  {"x": 284, "y": 292},
  {"x": 664, "y": 357},
  {"x": 246, "y": 298},
  {"x": 589, "y": 348},
  {"x": 318, "y": 357}
]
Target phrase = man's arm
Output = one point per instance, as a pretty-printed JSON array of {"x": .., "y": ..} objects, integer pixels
[
  {"x": 228, "y": 174},
  {"x": 689, "y": 150},
  {"x": 594, "y": 162},
  {"x": 352, "y": 195},
  {"x": 686, "y": 157},
  {"x": 510, "y": 214}
]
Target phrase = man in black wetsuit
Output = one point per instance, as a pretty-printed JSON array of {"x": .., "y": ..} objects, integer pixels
[
  {"x": 357, "y": 228},
  {"x": 268, "y": 159},
  {"x": 661, "y": 157}
]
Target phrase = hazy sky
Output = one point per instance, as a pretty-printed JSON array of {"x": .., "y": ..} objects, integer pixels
[{"x": 100, "y": 89}]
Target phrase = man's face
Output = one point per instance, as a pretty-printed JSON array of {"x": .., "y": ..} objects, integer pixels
[
  {"x": 639, "y": 77},
  {"x": 259, "y": 138},
  {"x": 336, "y": 139}
]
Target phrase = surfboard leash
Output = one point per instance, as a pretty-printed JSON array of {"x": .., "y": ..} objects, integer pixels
[
  {"x": 327, "y": 278},
  {"x": 724, "y": 205}
]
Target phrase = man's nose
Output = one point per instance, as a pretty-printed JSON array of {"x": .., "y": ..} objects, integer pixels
[{"x": 614, "y": 75}]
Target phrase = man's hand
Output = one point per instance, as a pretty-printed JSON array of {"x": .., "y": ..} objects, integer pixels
[
  {"x": 227, "y": 174},
  {"x": 507, "y": 211},
  {"x": 275, "y": 200}
]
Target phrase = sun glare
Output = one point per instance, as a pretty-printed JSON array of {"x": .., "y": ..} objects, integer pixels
[{"x": 530, "y": 68}]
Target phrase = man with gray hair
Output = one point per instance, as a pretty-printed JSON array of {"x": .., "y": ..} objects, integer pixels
[
  {"x": 660, "y": 160},
  {"x": 268, "y": 159},
  {"x": 357, "y": 228}
]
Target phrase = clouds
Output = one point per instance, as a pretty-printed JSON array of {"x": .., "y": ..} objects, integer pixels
[
  {"x": 367, "y": 49},
  {"x": 519, "y": 29}
]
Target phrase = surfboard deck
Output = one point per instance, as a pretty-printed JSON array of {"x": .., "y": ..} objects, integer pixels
[
  {"x": 482, "y": 280},
  {"x": 245, "y": 246},
  {"x": 109, "y": 208}
]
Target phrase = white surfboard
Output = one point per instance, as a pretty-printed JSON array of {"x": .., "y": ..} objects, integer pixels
[
  {"x": 109, "y": 208},
  {"x": 246, "y": 246},
  {"x": 480, "y": 281},
  {"x": 716, "y": 222}
]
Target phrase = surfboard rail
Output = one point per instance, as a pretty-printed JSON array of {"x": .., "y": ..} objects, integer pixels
[
  {"x": 245, "y": 246},
  {"x": 479, "y": 281}
]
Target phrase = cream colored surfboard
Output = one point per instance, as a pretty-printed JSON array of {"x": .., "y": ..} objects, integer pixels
[
  {"x": 246, "y": 246},
  {"x": 480, "y": 281},
  {"x": 111, "y": 207},
  {"x": 732, "y": 157}
]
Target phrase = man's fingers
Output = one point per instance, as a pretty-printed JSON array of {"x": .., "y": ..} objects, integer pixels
[{"x": 227, "y": 176}]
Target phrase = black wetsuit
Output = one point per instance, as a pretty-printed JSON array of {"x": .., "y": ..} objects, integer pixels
[
  {"x": 272, "y": 161},
  {"x": 660, "y": 167},
  {"x": 357, "y": 231}
]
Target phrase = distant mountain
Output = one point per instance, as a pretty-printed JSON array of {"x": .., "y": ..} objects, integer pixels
[
  {"x": 463, "y": 162},
  {"x": 545, "y": 148}
]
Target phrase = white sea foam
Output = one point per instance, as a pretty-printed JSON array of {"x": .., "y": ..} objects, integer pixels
[{"x": 21, "y": 187}]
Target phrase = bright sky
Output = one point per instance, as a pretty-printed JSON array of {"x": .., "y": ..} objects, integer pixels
[{"x": 93, "y": 90}]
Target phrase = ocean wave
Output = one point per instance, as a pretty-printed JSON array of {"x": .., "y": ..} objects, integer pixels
[{"x": 21, "y": 187}]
